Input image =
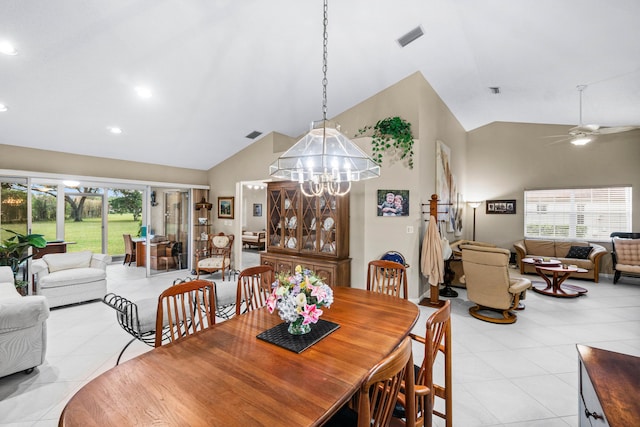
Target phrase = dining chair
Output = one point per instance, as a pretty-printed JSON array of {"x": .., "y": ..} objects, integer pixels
[
  {"x": 387, "y": 277},
  {"x": 185, "y": 309},
  {"x": 129, "y": 249},
  {"x": 217, "y": 256},
  {"x": 437, "y": 340},
  {"x": 379, "y": 391},
  {"x": 254, "y": 287}
]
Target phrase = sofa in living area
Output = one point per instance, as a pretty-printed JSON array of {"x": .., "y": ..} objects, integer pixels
[
  {"x": 254, "y": 238},
  {"x": 71, "y": 277},
  {"x": 566, "y": 251},
  {"x": 23, "y": 327}
]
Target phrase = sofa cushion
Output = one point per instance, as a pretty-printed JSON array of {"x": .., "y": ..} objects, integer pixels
[
  {"x": 542, "y": 248},
  {"x": 563, "y": 247},
  {"x": 72, "y": 276},
  {"x": 580, "y": 252},
  {"x": 69, "y": 260}
]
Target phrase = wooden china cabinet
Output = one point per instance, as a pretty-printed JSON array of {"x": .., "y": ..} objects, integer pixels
[{"x": 309, "y": 231}]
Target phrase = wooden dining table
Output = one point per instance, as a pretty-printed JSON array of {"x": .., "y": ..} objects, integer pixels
[{"x": 226, "y": 376}]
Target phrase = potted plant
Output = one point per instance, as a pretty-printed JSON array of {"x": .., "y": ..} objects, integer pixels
[
  {"x": 15, "y": 250},
  {"x": 393, "y": 137}
]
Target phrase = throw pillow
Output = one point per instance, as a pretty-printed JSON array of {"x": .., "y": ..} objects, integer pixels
[{"x": 579, "y": 252}]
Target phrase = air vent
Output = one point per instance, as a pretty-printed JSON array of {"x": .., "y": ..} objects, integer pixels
[
  {"x": 494, "y": 90},
  {"x": 410, "y": 36},
  {"x": 254, "y": 134}
]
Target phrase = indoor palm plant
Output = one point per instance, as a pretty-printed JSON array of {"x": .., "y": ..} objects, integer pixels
[{"x": 15, "y": 250}]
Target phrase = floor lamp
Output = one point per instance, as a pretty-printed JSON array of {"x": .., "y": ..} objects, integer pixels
[{"x": 475, "y": 206}]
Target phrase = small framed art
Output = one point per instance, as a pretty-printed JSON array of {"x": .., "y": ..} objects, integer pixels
[
  {"x": 501, "y": 206},
  {"x": 225, "y": 207},
  {"x": 257, "y": 209}
]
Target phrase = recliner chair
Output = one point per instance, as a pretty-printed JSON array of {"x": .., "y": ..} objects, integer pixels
[{"x": 489, "y": 285}]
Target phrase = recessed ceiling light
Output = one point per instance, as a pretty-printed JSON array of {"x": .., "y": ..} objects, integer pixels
[
  {"x": 7, "y": 48},
  {"x": 115, "y": 130},
  {"x": 3, "y": 108},
  {"x": 143, "y": 92}
]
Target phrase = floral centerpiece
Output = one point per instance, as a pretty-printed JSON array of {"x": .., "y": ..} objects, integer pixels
[{"x": 299, "y": 298}]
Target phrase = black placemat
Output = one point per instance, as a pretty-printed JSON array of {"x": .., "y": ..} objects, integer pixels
[{"x": 279, "y": 335}]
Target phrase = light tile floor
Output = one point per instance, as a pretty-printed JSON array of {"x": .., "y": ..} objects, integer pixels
[{"x": 520, "y": 375}]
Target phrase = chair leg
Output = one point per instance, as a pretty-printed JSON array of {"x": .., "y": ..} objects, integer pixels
[
  {"x": 125, "y": 347},
  {"x": 616, "y": 277}
]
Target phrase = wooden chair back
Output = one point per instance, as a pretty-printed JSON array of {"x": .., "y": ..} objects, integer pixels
[
  {"x": 129, "y": 249},
  {"x": 378, "y": 393},
  {"x": 387, "y": 277},
  {"x": 185, "y": 309},
  {"x": 254, "y": 288}
]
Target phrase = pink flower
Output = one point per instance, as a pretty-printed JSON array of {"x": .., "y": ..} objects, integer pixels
[
  {"x": 271, "y": 302},
  {"x": 311, "y": 314},
  {"x": 320, "y": 293}
]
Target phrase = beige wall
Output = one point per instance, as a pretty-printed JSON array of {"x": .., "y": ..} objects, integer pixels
[
  {"x": 43, "y": 161},
  {"x": 504, "y": 159},
  {"x": 370, "y": 236}
]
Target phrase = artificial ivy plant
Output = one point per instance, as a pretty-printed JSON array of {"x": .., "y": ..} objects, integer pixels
[{"x": 393, "y": 137}]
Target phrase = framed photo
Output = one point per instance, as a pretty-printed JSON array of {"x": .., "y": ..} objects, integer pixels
[
  {"x": 393, "y": 202},
  {"x": 501, "y": 206},
  {"x": 257, "y": 209},
  {"x": 225, "y": 207}
]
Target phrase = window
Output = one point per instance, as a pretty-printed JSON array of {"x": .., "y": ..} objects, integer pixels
[{"x": 577, "y": 213}]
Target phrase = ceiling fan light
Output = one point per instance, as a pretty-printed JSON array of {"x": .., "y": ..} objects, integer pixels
[{"x": 582, "y": 140}]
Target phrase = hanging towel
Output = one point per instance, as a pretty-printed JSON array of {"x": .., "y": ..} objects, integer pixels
[{"x": 432, "y": 264}]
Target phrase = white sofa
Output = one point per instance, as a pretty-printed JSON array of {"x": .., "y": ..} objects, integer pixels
[
  {"x": 72, "y": 277},
  {"x": 23, "y": 328}
]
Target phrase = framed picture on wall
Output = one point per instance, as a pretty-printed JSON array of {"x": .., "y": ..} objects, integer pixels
[
  {"x": 393, "y": 202},
  {"x": 501, "y": 206},
  {"x": 257, "y": 209},
  {"x": 225, "y": 207}
]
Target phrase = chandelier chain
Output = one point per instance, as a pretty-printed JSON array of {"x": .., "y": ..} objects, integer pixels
[{"x": 325, "y": 42}]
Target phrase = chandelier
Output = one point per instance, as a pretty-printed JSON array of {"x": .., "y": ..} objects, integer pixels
[{"x": 324, "y": 160}]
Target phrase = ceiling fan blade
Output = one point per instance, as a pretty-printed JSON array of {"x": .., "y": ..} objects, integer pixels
[{"x": 616, "y": 129}]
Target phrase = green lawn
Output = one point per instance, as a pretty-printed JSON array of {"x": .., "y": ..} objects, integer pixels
[{"x": 87, "y": 234}]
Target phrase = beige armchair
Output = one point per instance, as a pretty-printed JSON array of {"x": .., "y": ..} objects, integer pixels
[
  {"x": 489, "y": 285},
  {"x": 625, "y": 255},
  {"x": 217, "y": 256}
]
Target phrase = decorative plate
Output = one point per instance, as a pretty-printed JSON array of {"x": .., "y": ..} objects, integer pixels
[
  {"x": 293, "y": 221},
  {"x": 287, "y": 203},
  {"x": 328, "y": 224},
  {"x": 292, "y": 242},
  {"x": 313, "y": 224}
]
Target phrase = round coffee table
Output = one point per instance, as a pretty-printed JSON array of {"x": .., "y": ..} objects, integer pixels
[{"x": 555, "y": 287}]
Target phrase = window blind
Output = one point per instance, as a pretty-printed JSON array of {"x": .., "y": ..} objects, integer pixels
[{"x": 577, "y": 213}]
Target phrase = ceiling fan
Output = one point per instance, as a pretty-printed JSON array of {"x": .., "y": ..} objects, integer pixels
[{"x": 584, "y": 134}]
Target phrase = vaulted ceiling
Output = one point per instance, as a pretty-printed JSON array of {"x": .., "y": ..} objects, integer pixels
[{"x": 220, "y": 69}]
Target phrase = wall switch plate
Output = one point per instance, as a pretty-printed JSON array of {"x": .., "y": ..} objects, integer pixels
[{"x": 409, "y": 229}]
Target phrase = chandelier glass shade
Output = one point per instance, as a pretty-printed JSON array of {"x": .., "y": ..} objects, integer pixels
[{"x": 324, "y": 160}]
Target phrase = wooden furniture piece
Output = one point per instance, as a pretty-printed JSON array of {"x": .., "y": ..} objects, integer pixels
[
  {"x": 609, "y": 386},
  {"x": 217, "y": 257},
  {"x": 254, "y": 287},
  {"x": 129, "y": 249},
  {"x": 309, "y": 231},
  {"x": 377, "y": 396},
  {"x": 185, "y": 309},
  {"x": 51, "y": 248},
  {"x": 387, "y": 277},
  {"x": 161, "y": 256},
  {"x": 625, "y": 254},
  {"x": 241, "y": 379},
  {"x": 141, "y": 251},
  {"x": 437, "y": 340},
  {"x": 201, "y": 228},
  {"x": 257, "y": 239},
  {"x": 554, "y": 286},
  {"x": 486, "y": 273}
]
